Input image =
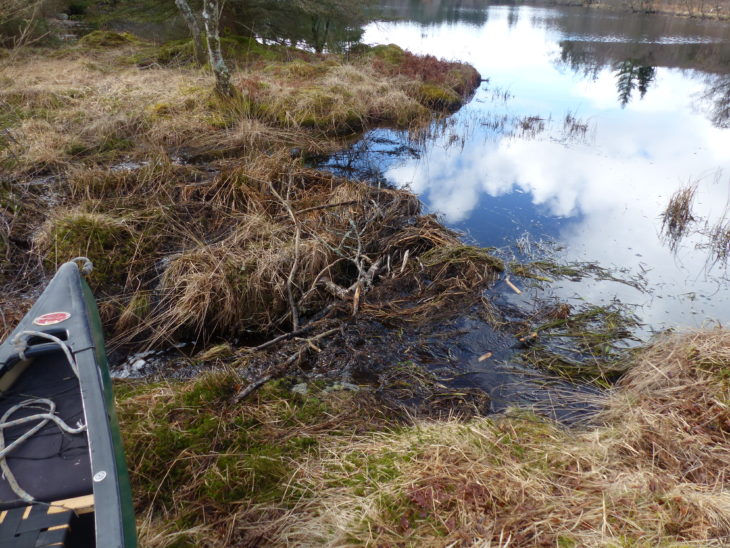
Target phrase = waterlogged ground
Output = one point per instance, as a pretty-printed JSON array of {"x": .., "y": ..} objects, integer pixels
[{"x": 586, "y": 125}]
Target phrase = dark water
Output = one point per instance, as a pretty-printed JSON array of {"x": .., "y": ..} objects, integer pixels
[{"x": 589, "y": 122}]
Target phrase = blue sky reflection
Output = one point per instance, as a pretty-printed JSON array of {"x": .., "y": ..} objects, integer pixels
[{"x": 600, "y": 195}]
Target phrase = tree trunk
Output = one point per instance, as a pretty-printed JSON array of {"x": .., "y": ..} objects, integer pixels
[
  {"x": 194, "y": 27},
  {"x": 211, "y": 19}
]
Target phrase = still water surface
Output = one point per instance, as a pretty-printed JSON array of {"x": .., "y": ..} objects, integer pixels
[{"x": 586, "y": 124}]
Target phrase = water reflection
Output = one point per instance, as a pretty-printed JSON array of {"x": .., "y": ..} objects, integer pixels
[
  {"x": 624, "y": 124},
  {"x": 629, "y": 76}
]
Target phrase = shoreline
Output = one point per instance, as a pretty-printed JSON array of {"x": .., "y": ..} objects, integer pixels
[
  {"x": 206, "y": 225},
  {"x": 657, "y": 7}
]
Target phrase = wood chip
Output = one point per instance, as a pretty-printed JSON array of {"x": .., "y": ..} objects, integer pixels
[
  {"x": 405, "y": 261},
  {"x": 512, "y": 286},
  {"x": 356, "y": 300},
  {"x": 485, "y": 356}
]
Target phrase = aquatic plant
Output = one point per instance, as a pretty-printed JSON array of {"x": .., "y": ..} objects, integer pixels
[
  {"x": 592, "y": 343},
  {"x": 677, "y": 216}
]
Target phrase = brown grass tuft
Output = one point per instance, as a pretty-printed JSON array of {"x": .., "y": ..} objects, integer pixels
[
  {"x": 654, "y": 473},
  {"x": 677, "y": 217}
]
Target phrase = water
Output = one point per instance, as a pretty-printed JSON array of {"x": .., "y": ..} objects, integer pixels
[{"x": 588, "y": 123}]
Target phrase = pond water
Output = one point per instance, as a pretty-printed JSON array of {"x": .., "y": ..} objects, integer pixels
[{"x": 588, "y": 121}]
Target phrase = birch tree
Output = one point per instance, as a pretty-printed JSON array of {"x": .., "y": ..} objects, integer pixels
[
  {"x": 211, "y": 24},
  {"x": 211, "y": 20},
  {"x": 194, "y": 27}
]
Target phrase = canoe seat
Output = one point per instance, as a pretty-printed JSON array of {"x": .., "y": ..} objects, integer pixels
[
  {"x": 34, "y": 527},
  {"x": 41, "y": 525}
]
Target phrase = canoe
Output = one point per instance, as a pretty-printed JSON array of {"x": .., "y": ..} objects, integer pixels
[{"x": 64, "y": 480}]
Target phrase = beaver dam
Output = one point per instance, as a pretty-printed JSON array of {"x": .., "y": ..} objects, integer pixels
[{"x": 309, "y": 358}]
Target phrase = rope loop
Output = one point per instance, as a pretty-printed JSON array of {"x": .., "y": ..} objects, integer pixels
[
  {"x": 20, "y": 341},
  {"x": 87, "y": 266}
]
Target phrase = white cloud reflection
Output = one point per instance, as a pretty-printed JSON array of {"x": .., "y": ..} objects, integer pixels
[{"x": 614, "y": 187}]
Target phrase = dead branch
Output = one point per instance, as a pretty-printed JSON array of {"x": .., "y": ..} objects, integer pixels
[
  {"x": 295, "y": 264},
  {"x": 327, "y": 206},
  {"x": 283, "y": 368},
  {"x": 335, "y": 290}
]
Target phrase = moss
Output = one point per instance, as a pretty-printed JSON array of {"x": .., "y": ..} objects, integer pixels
[
  {"x": 438, "y": 97},
  {"x": 212, "y": 389},
  {"x": 107, "y": 39},
  {"x": 190, "y": 445},
  {"x": 108, "y": 241},
  {"x": 390, "y": 53},
  {"x": 170, "y": 53},
  {"x": 246, "y": 49},
  {"x": 258, "y": 475}
]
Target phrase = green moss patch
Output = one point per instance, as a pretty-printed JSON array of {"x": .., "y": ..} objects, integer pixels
[
  {"x": 191, "y": 447},
  {"x": 170, "y": 53},
  {"x": 108, "y": 241},
  {"x": 390, "y": 53},
  {"x": 438, "y": 97},
  {"x": 107, "y": 39}
]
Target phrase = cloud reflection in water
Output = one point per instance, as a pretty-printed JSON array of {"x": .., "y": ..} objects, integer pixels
[{"x": 600, "y": 197}]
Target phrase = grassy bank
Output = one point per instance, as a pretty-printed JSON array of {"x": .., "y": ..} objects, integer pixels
[
  {"x": 332, "y": 467},
  {"x": 198, "y": 212},
  {"x": 305, "y": 295}
]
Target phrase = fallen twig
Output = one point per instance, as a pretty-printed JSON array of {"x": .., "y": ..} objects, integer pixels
[
  {"x": 281, "y": 369},
  {"x": 335, "y": 290},
  {"x": 326, "y": 206},
  {"x": 283, "y": 337},
  {"x": 295, "y": 265},
  {"x": 512, "y": 286}
]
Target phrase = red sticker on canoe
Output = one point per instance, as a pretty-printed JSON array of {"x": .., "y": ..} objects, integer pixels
[{"x": 52, "y": 318}]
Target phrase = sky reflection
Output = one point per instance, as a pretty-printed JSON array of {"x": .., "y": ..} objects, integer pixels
[{"x": 600, "y": 195}]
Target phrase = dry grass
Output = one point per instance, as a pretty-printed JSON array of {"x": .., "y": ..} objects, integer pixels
[
  {"x": 209, "y": 250},
  {"x": 654, "y": 474},
  {"x": 97, "y": 106},
  {"x": 677, "y": 217},
  {"x": 238, "y": 283},
  {"x": 319, "y": 470},
  {"x": 341, "y": 99}
]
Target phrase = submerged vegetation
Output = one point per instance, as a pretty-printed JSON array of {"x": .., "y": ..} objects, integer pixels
[
  {"x": 677, "y": 217},
  {"x": 591, "y": 344}
]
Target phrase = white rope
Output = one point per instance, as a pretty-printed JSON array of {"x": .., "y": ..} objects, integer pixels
[
  {"x": 21, "y": 343},
  {"x": 87, "y": 267}
]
